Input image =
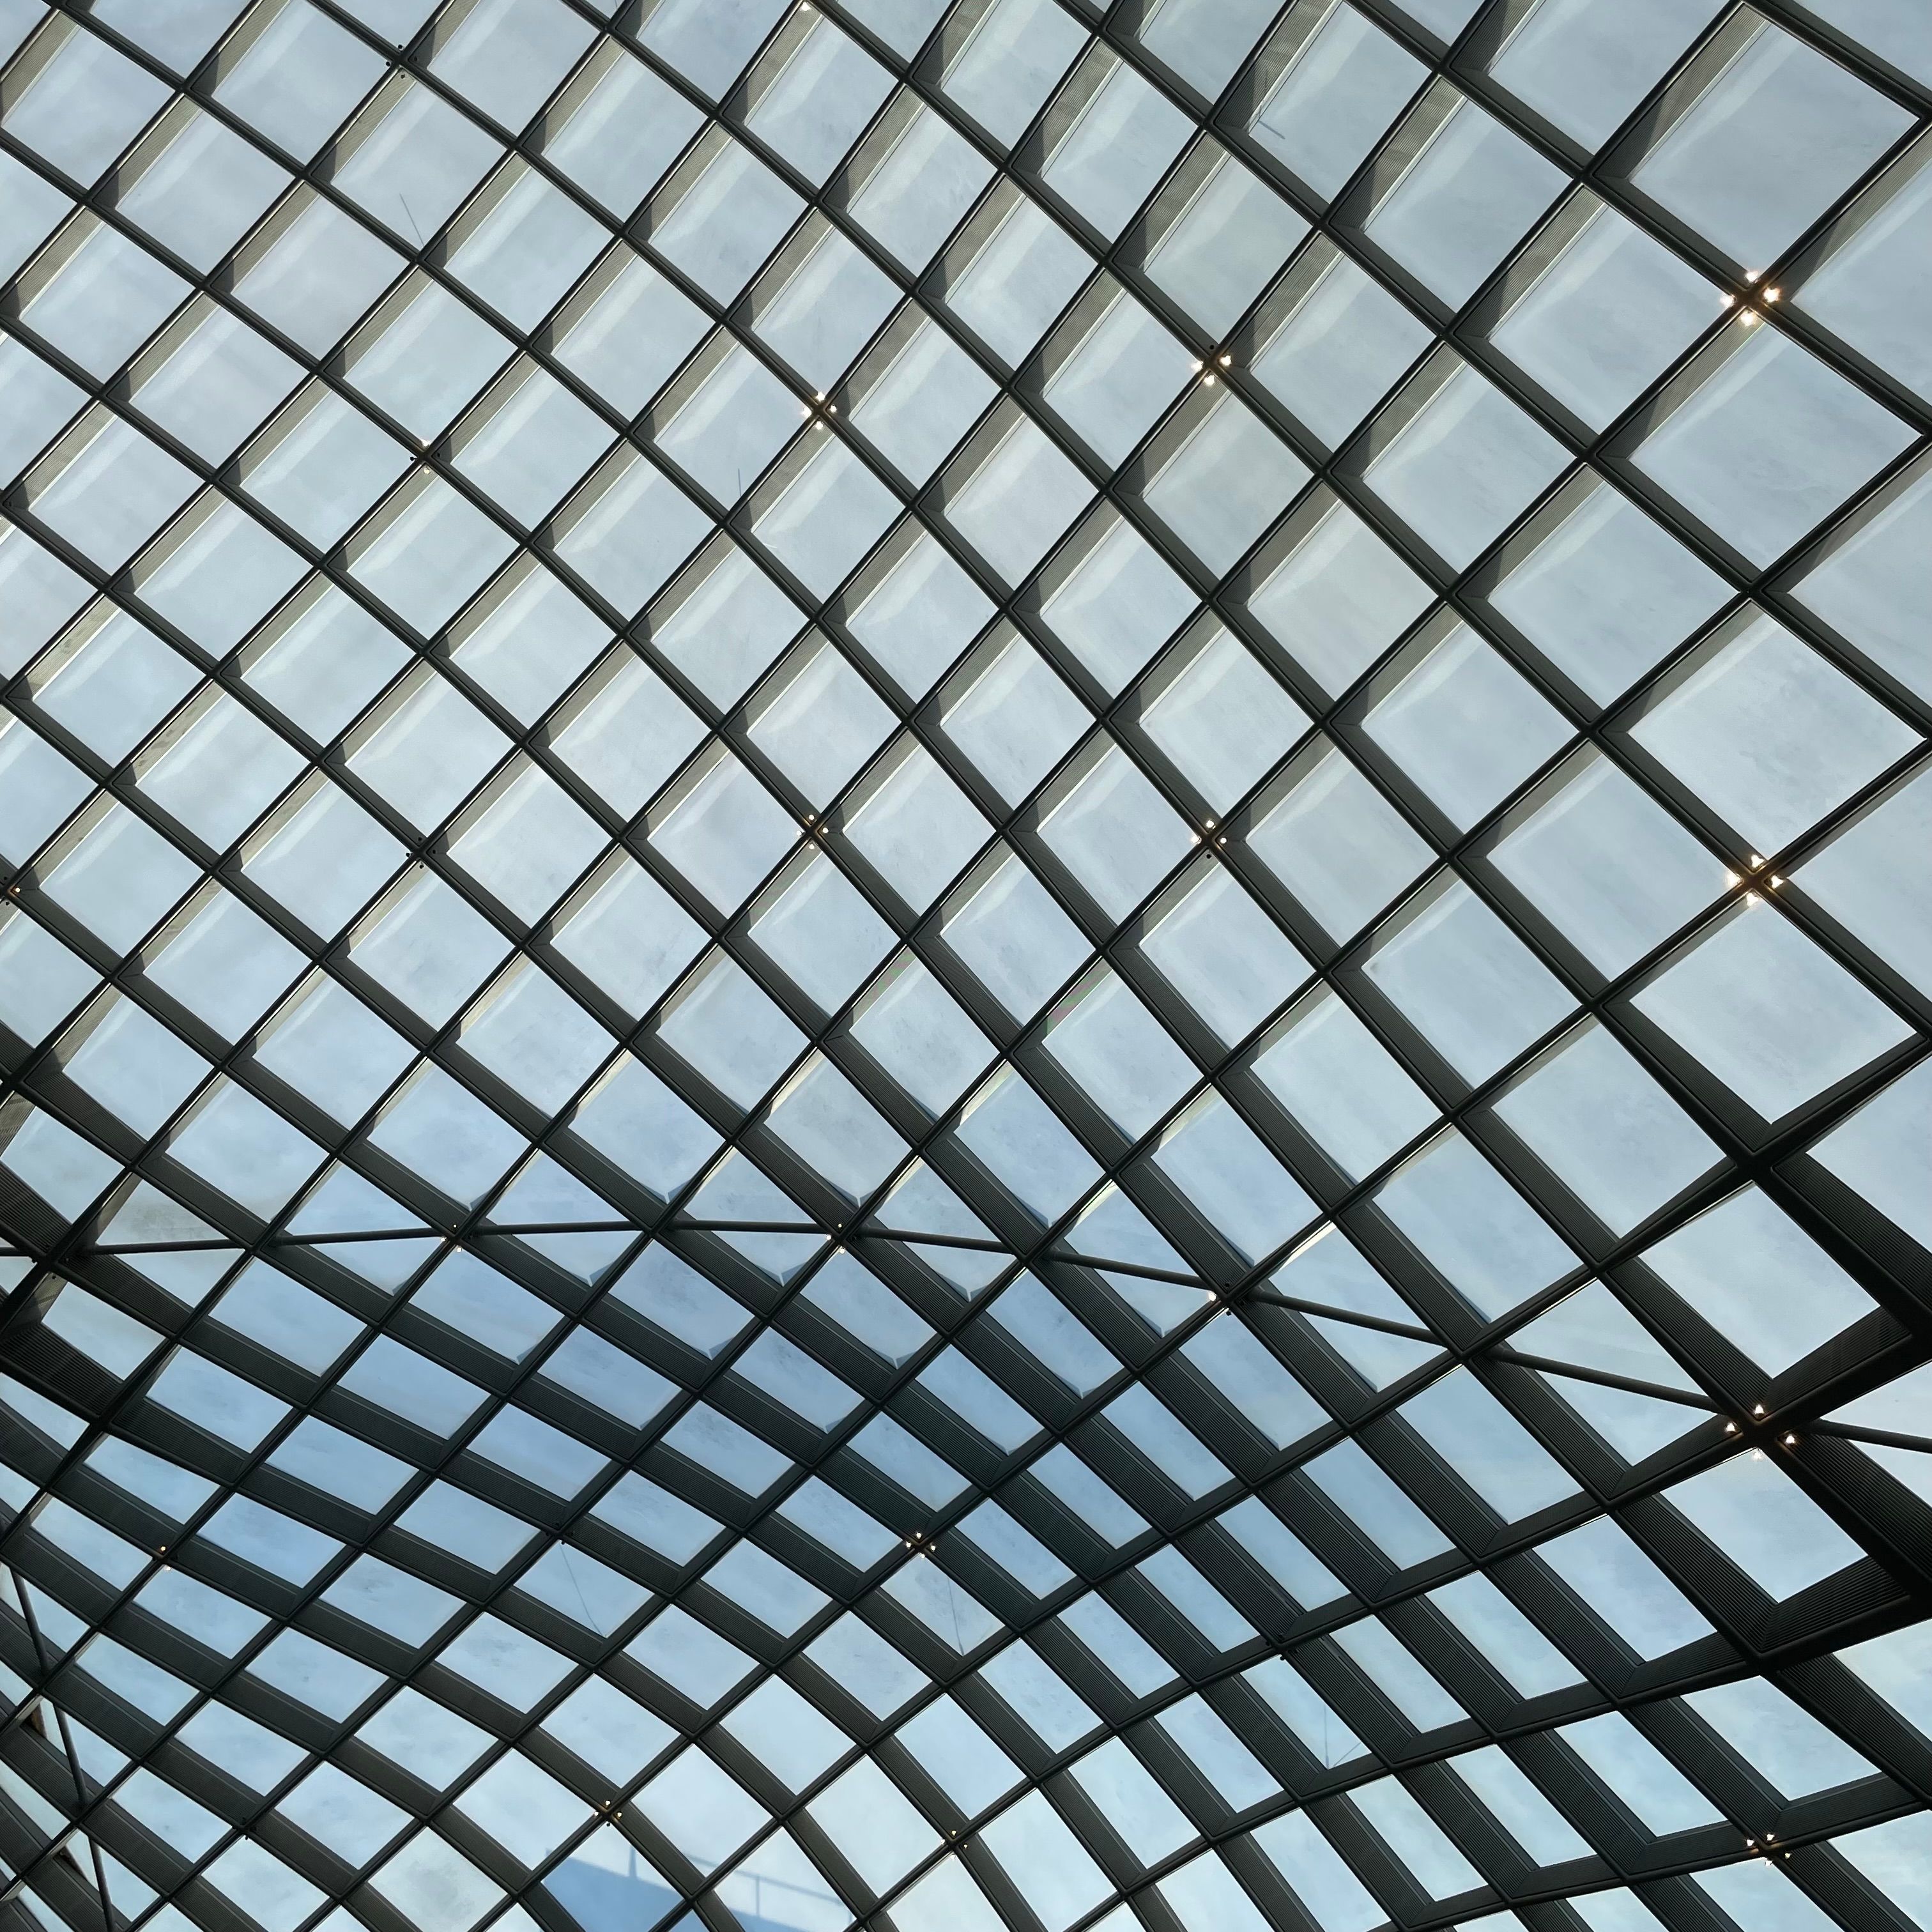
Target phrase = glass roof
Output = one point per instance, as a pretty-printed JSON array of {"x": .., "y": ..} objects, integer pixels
[{"x": 965, "y": 965}]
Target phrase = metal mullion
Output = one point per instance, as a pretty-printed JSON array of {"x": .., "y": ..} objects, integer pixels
[
  {"x": 1602, "y": 1003},
  {"x": 17, "y": 1882},
  {"x": 817, "y": 198},
  {"x": 426, "y": 457},
  {"x": 1377, "y": 1769},
  {"x": 524, "y": 739},
  {"x": 319, "y": 562},
  {"x": 1362, "y": 503},
  {"x": 1109, "y": 256},
  {"x": 1155, "y": 1702},
  {"x": 843, "y": 1763},
  {"x": 1386, "y": 524},
  {"x": 1592, "y": 731},
  {"x": 1105, "y": 718},
  {"x": 493, "y": 1404},
  {"x": 1913, "y": 1000},
  {"x": 205, "y": 286},
  {"x": 1493, "y": 1335},
  {"x": 1321, "y": 221},
  {"x": 1109, "y": 260},
  {"x": 476, "y": 1226},
  {"x": 1849, "y": 51},
  {"x": 505, "y": 1583},
  {"x": 1478, "y": 1094},
  {"x": 599, "y": 1072},
  {"x": 1329, "y": 469},
  {"x": 273, "y": 1627},
  {"x": 229, "y": 1065},
  {"x": 721, "y": 320},
  {"x": 1764, "y": 882},
  {"x": 1629, "y": 1246},
  {"x": 687, "y": 1224},
  {"x": 1156, "y": 192},
  {"x": 229, "y": 1062},
  {"x": 1477, "y": 85},
  {"x": 950, "y": 768},
  {"x": 123, "y": 976},
  {"x": 740, "y": 338},
  {"x": 1386, "y": 1404},
  {"x": 1160, "y": 1700},
  {"x": 1112, "y": 257},
  {"x": 242, "y": 1047},
  {"x": 1752, "y": 1165},
  {"x": 1440, "y": 1917},
  {"x": 1029, "y": 1032},
  {"x": 1757, "y": 1166},
  {"x": 419, "y": 847},
  {"x": 814, "y": 199},
  {"x": 1334, "y": 468},
  {"x": 500, "y": 1402},
  {"x": 1539, "y": 1891},
  {"x": 39, "y": 29}
]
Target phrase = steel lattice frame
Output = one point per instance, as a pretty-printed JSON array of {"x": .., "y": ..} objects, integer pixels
[{"x": 66, "y": 1583}]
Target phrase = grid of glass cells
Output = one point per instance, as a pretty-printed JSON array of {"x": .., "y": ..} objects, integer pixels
[{"x": 965, "y": 965}]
